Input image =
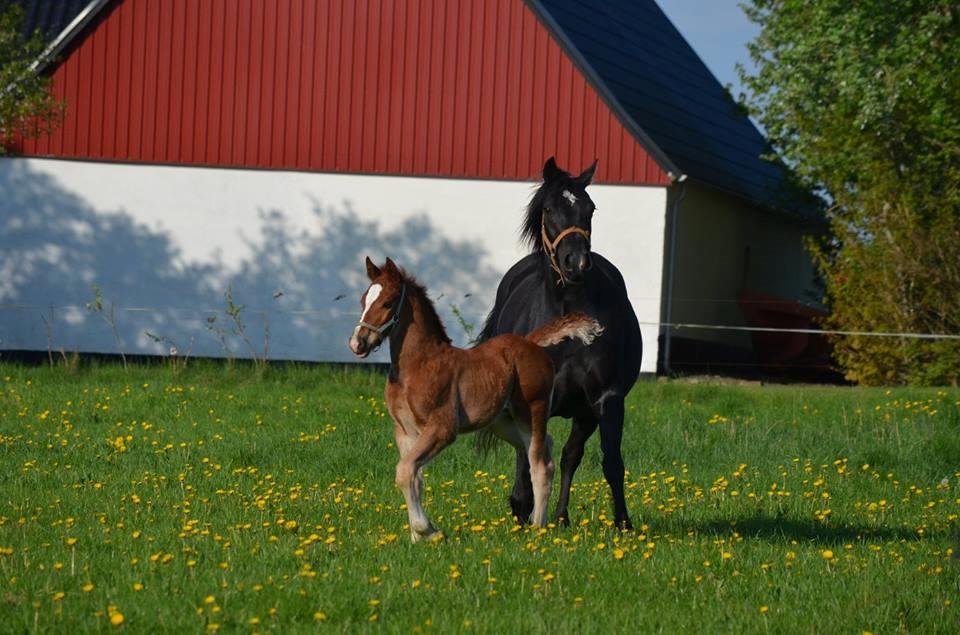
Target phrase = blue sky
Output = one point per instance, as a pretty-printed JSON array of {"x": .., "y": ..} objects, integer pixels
[{"x": 717, "y": 30}]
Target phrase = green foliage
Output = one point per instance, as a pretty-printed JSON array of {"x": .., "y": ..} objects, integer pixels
[
  {"x": 27, "y": 109},
  {"x": 862, "y": 99},
  {"x": 468, "y": 327}
]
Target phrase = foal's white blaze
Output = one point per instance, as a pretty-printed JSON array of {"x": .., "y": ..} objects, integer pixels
[
  {"x": 372, "y": 294},
  {"x": 567, "y": 194}
]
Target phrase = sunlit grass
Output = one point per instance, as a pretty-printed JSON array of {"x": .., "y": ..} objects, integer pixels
[{"x": 224, "y": 499}]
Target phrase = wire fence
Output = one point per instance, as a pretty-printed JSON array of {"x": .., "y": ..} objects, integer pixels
[{"x": 328, "y": 315}]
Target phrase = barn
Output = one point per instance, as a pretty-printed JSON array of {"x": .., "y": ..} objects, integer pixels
[{"x": 223, "y": 167}]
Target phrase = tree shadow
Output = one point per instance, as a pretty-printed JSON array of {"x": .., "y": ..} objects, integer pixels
[{"x": 299, "y": 288}]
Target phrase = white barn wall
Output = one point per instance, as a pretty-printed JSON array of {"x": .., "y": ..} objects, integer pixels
[{"x": 164, "y": 243}]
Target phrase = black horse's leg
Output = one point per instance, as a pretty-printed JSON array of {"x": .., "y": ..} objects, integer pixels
[
  {"x": 521, "y": 500},
  {"x": 611, "y": 434},
  {"x": 581, "y": 430}
]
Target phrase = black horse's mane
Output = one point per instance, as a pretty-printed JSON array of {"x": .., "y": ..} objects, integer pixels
[
  {"x": 532, "y": 220},
  {"x": 430, "y": 311}
]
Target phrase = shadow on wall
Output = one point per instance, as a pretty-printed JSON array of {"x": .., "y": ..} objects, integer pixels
[{"x": 299, "y": 288}]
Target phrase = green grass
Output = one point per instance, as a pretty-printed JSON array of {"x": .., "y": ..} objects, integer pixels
[{"x": 213, "y": 497}]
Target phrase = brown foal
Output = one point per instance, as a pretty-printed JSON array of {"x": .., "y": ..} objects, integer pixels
[{"x": 435, "y": 391}]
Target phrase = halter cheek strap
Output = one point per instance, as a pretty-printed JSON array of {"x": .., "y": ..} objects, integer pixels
[
  {"x": 551, "y": 246},
  {"x": 389, "y": 324}
]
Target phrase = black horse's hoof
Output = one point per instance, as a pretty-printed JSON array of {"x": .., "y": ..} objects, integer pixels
[{"x": 521, "y": 510}]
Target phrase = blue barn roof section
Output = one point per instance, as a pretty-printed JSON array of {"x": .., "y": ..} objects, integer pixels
[
  {"x": 50, "y": 17},
  {"x": 640, "y": 63},
  {"x": 57, "y": 20}
]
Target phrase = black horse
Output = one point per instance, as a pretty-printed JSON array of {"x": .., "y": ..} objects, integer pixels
[{"x": 558, "y": 277}]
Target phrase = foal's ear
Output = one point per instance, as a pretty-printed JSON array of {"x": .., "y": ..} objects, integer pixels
[
  {"x": 372, "y": 270},
  {"x": 551, "y": 170},
  {"x": 391, "y": 266},
  {"x": 587, "y": 176}
]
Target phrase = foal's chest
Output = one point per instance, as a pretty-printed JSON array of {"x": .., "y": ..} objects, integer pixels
[{"x": 402, "y": 411}]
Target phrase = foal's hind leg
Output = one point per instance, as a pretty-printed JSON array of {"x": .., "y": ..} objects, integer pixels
[
  {"x": 541, "y": 465},
  {"x": 581, "y": 430}
]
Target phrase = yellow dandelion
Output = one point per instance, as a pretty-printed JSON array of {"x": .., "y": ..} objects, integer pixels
[
  {"x": 116, "y": 618},
  {"x": 827, "y": 554},
  {"x": 319, "y": 616},
  {"x": 87, "y": 587},
  {"x": 618, "y": 554},
  {"x": 764, "y": 609},
  {"x": 71, "y": 541},
  {"x": 137, "y": 587},
  {"x": 59, "y": 595}
]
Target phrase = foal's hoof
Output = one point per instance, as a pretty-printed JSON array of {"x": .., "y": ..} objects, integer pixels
[{"x": 433, "y": 536}]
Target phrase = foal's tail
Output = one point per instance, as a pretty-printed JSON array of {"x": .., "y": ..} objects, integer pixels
[{"x": 575, "y": 325}]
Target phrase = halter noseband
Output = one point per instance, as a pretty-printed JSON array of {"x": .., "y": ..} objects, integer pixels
[
  {"x": 389, "y": 324},
  {"x": 551, "y": 246}
]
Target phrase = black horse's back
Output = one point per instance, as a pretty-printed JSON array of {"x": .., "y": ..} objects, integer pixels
[{"x": 559, "y": 277}]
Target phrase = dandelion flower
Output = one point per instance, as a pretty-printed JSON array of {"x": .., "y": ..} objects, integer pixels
[{"x": 116, "y": 618}]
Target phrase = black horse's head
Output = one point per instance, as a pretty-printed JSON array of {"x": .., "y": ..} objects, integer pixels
[{"x": 559, "y": 219}]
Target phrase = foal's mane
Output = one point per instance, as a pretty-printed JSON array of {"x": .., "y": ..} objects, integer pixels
[{"x": 434, "y": 323}]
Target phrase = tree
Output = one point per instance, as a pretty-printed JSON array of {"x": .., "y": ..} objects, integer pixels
[
  {"x": 862, "y": 100},
  {"x": 27, "y": 108}
]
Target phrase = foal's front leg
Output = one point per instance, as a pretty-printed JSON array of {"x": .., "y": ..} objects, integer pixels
[{"x": 410, "y": 479}]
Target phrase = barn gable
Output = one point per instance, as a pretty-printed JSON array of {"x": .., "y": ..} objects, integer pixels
[
  {"x": 421, "y": 88},
  {"x": 661, "y": 87}
]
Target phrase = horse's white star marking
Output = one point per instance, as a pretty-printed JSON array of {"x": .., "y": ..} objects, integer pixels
[{"x": 567, "y": 194}]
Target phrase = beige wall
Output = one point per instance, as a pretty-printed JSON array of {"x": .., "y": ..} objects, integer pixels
[{"x": 724, "y": 245}]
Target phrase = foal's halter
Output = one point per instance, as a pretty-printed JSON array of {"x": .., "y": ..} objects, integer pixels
[
  {"x": 551, "y": 246},
  {"x": 389, "y": 324}
]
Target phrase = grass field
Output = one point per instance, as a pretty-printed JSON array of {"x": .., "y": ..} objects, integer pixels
[{"x": 220, "y": 499}]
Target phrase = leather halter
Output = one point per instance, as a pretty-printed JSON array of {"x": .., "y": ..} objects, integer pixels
[
  {"x": 389, "y": 324},
  {"x": 551, "y": 247}
]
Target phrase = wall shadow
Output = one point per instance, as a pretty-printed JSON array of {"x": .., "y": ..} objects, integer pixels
[
  {"x": 785, "y": 529},
  {"x": 300, "y": 288}
]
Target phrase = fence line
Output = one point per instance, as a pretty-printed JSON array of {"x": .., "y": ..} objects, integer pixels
[
  {"x": 764, "y": 329},
  {"x": 328, "y": 317}
]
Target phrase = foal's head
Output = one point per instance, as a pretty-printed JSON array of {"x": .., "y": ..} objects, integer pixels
[
  {"x": 381, "y": 304},
  {"x": 559, "y": 221}
]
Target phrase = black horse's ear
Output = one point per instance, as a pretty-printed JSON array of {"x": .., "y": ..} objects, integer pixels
[
  {"x": 391, "y": 266},
  {"x": 587, "y": 176},
  {"x": 550, "y": 170},
  {"x": 372, "y": 270}
]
